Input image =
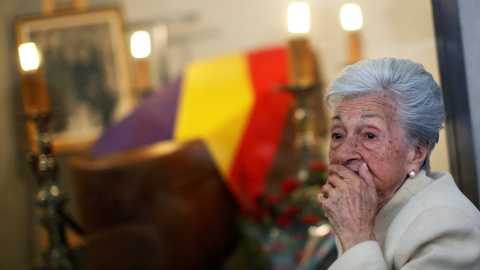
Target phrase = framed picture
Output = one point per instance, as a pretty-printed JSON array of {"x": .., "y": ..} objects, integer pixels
[{"x": 85, "y": 65}]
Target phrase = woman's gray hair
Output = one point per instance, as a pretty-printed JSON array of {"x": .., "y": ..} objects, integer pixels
[{"x": 419, "y": 103}]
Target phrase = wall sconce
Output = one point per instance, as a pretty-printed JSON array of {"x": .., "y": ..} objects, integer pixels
[
  {"x": 140, "y": 47},
  {"x": 352, "y": 21}
]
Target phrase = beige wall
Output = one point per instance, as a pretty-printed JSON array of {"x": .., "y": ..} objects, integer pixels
[{"x": 14, "y": 200}]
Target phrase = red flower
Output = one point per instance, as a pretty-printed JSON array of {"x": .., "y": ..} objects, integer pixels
[
  {"x": 291, "y": 210},
  {"x": 290, "y": 184},
  {"x": 273, "y": 199},
  {"x": 264, "y": 213},
  {"x": 282, "y": 221},
  {"x": 309, "y": 219},
  {"x": 317, "y": 166}
]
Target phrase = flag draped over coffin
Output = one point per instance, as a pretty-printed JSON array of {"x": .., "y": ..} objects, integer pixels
[{"x": 229, "y": 102}]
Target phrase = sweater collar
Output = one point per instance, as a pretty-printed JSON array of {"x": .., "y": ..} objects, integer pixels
[{"x": 391, "y": 209}]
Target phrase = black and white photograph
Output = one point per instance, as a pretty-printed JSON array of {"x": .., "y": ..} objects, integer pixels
[{"x": 83, "y": 59}]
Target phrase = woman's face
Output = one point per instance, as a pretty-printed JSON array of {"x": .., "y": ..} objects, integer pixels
[{"x": 364, "y": 129}]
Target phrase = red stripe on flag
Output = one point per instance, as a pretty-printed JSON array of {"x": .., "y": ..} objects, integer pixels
[{"x": 257, "y": 150}]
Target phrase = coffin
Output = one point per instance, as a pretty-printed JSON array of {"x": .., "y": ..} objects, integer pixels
[{"x": 163, "y": 206}]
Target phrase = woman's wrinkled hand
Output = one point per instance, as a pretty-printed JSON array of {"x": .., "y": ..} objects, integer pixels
[{"x": 350, "y": 203}]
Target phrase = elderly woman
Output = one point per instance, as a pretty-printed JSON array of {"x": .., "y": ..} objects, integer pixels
[{"x": 388, "y": 210}]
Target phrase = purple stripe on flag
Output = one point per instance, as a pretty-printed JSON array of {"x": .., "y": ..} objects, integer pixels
[{"x": 152, "y": 121}]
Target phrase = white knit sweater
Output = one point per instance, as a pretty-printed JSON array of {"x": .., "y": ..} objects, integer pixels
[{"x": 428, "y": 224}]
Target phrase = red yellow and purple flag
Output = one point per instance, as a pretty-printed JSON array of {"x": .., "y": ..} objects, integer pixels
[{"x": 231, "y": 103}]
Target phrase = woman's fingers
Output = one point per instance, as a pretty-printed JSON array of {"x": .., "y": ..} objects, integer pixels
[
  {"x": 366, "y": 175},
  {"x": 326, "y": 189},
  {"x": 333, "y": 181},
  {"x": 343, "y": 172},
  {"x": 347, "y": 174},
  {"x": 343, "y": 180},
  {"x": 321, "y": 198}
]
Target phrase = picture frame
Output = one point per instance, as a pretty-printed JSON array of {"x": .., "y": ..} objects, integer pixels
[{"x": 84, "y": 62}]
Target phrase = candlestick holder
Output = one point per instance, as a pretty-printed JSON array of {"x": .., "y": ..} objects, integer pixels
[
  {"x": 305, "y": 136},
  {"x": 50, "y": 198}
]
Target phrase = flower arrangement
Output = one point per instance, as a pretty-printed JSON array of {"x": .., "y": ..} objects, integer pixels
[
  {"x": 292, "y": 201},
  {"x": 281, "y": 222}
]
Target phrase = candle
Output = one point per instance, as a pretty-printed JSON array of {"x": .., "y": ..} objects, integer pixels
[
  {"x": 298, "y": 17},
  {"x": 141, "y": 75},
  {"x": 140, "y": 47},
  {"x": 34, "y": 91},
  {"x": 303, "y": 71},
  {"x": 354, "y": 48},
  {"x": 302, "y": 59},
  {"x": 352, "y": 21}
]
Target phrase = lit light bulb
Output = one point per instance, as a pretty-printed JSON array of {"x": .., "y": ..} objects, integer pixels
[
  {"x": 351, "y": 17},
  {"x": 29, "y": 59},
  {"x": 298, "y": 17},
  {"x": 140, "y": 44}
]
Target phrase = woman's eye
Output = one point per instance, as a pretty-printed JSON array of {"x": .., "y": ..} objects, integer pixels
[
  {"x": 336, "y": 136},
  {"x": 370, "y": 136}
]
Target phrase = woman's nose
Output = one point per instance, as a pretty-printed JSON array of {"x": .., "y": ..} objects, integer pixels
[{"x": 348, "y": 151}]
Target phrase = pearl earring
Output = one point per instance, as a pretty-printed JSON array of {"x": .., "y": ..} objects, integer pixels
[{"x": 412, "y": 174}]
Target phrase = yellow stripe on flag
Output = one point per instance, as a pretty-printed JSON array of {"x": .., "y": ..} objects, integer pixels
[{"x": 215, "y": 105}]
